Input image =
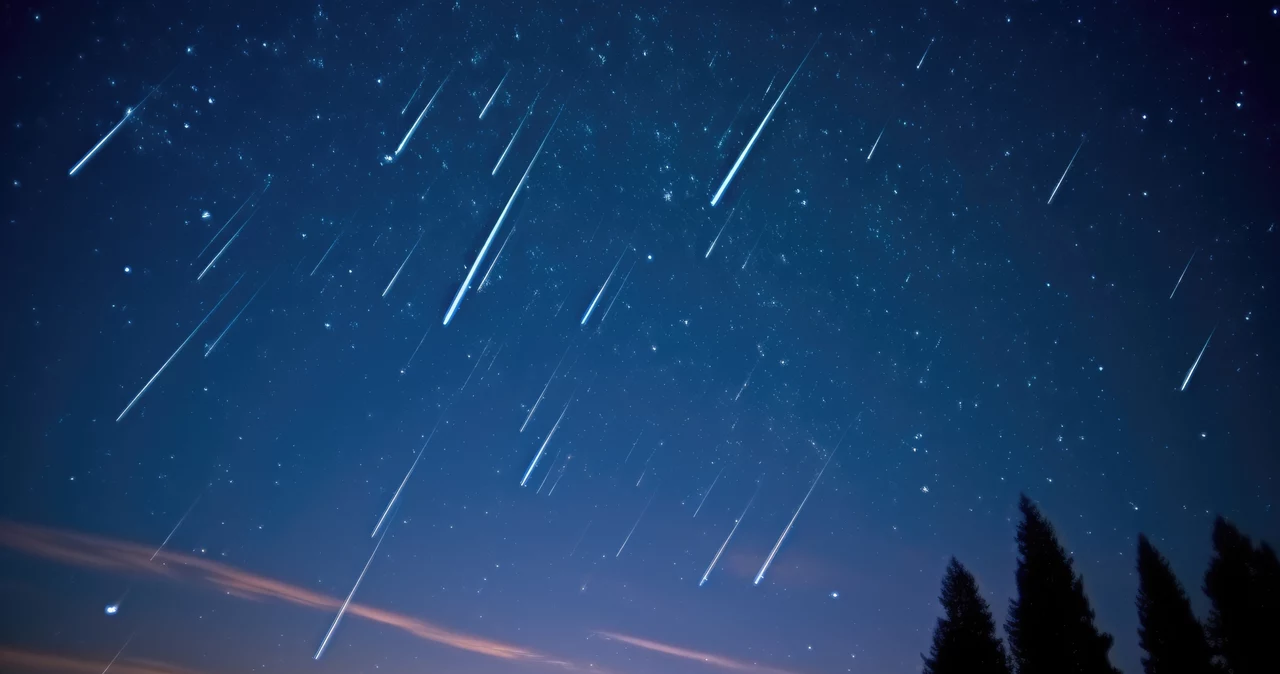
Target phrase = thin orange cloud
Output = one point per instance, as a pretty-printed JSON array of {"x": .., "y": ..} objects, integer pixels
[
  {"x": 14, "y": 660},
  {"x": 711, "y": 659}
]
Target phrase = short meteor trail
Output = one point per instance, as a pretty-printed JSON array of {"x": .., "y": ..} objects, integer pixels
[
  {"x": 233, "y": 320},
  {"x": 396, "y": 496},
  {"x": 783, "y": 537},
  {"x": 704, "y": 496},
  {"x": 633, "y": 527},
  {"x": 1184, "y": 273},
  {"x": 466, "y": 283},
  {"x": 586, "y": 315},
  {"x": 712, "y": 565},
  {"x": 498, "y": 256},
  {"x": 224, "y": 226},
  {"x": 713, "y": 241},
  {"x": 926, "y": 53},
  {"x": 176, "y": 351},
  {"x": 753, "y": 246},
  {"x": 495, "y": 95},
  {"x": 118, "y": 654},
  {"x": 1064, "y": 172},
  {"x": 326, "y": 252},
  {"x": 514, "y": 135},
  {"x": 413, "y": 96},
  {"x": 415, "y": 349},
  {"x": 748, "y": 379},
  {"x": 175, "y": 527},
  {"x": 544, "y": 389},
  {"x": 621, "y": 286},
  {"x": 873, "y": 145},
  {"x": 402, "y": 264},
  {"x": 227, "y": 245},
  {"x": 751, "y": 143},
  {"x": 418, "y": 121},
  {"x": 1192, "y": 371},
  {"x": 336, "y": 620},
  {"x": 537, "y": 457}
]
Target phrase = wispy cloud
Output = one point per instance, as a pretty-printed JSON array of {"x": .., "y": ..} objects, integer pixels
[
  {"x": 710, "y": 659},
  {"x": 15, "y": 660}
]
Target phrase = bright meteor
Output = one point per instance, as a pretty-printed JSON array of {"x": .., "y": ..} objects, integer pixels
[
  {"x": 1194, "y": 365},
  {"x": 783, "y": 537}
]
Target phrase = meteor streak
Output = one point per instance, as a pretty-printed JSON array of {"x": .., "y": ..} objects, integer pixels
[
  {"x": 175, "y": 528},
  {"x": 177, "y": 351},
  {"x": 402, "y": 264},
  {"x": 926, "y": 53},
  {"x": 704, "y": 496},
  {"x": 466, "y": 283},
  {"x": 128, "y": 112},
  {"x": 713, "y": 241},
  {"x": 415, "y": 349},
  {"x": 396, "y": 496},
  {"x": 751, "y": 143},
  {"x": 712, "y": 565},
  {"x": 748, "y": 379},
  {"x": 330, "y": 249},
  {"x": 633, "y": 527},
  {"x": 621, "y": 286},
  {"x": 495, "y": 95},
  {"x": 1184, "y": 273},
  {"x": 1192, "y": 371},
  {"x": 753, "y": 246},
  {"x": 873, "y": 145},
  {"x": 413, "y": 95},
  {"x": 227, "y": 245},
  {"x": 224, "y": 226},
  {"x": 783, "y": 537},
  {"x": 1064, "y": 172},
  {"x": 118, "y": 653},
  {"x": 237, "y": 317},
  {"x": 496, "y": 257},
  {"x": 586, "y": 316},
  {"x": 418, "y": 121},
  {"x": 514, "y": 135},
  {"x": 336, "y": 620},
  {"x": 544, "y": 389},
  {"x": 537, "y": 457}
]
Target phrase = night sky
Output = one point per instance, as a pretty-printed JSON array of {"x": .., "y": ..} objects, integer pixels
[{"x": 901, "y": 313}]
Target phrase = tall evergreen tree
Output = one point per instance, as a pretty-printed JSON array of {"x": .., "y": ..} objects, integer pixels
[
  {"x": 1167, "y": 628},
  {"x": 1244, "y": 585},
  {"x": 1050, "y": 625},
  {"x": 965, "y": 641}
]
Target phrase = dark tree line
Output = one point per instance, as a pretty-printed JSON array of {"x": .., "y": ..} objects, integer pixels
[{"x": 1051, "y": 626}]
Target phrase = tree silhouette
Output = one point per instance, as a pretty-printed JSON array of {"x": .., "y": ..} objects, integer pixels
[
  {"x": 1167, "y": 629},
  {"x": 1244, "y": 585},
  {"x": 1050, "y": 625},
  {"x": 965, "y": 641}
]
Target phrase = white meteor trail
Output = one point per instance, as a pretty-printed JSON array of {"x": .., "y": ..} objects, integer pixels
[
  {"x": 926, "y": 53},
  {"x": 415, "y": 349},
  {"x": 713, "y": 241},
  {"x": 586, "y": 315},
  {"x": 1192, "y": 371},
  {"x": 1064, "y": 172},
  {"x": 338, "y": 619},
  {"x": 495, "y": 95},
  {"x": 873, "y": 145},
  {"x": 748, "y": 379},
  {"x": 751, "y": 143},
  {"x": 466, "y": 283},
  {"x": 175, "y": 527},
  {"x": 712, "y": 565},
  {"x": 402, "y": 264},
  {"x": 551, "y": 470},
  {"x": 783, "y": 537},
  {"x": 176, "y": 351},
  {"x": 396, "y": 496},
  {"x": 329, "y": 250},
  {"x": 118, "y": 654},
  {"x": 538, "y": 457},
  {"x": 704, "y": 496},
  {"x": 544, "y": 389},
  {"x": 496, "y": 257},
  {"x": 236, "y": 318},
  {"x": 621, "y": 286},
  {"x": 477, "y": 365},
  {"x": 418, "y": 121},
  {"x": 753, "y": 246},
  {"x": 76, "y": 169},
  {"x": 224, "y": 226},
  {"x": 514, "y": 135},
  {"x": 227, "y": 245},
  {"x": 1184, "y": 273},
  {"x": 413, "y": 95},
  {"x": 633, "y": 527}
]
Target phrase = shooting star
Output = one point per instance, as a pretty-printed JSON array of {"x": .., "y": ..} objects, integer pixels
[
  {"x": 646, "y": 463},
  {"x": 477, "y": 365},
  {"x": 1192, "y": 371},
  {"x": 713, "y": 241},
  {"x": 236, "y": 318},
  {"x": 753, "y": 247},
  {"x": 748, "y": 379},
  {"x": 515, "y": 135},
  {"x": 495, "y": 95},
  {"x": 586, "y": 315},
  {"x": 708, "y": 493},
  {"x": 466, "y": 283},
  {"x": 227, "y": 245},
  {"x": 783, "y": 537},
  {"x": 1184, "y": 273},
  {"x": 621, "y": 286},
  {"x": 873, "y": 145},
  {"x": 633, "y": 527},
  {"x": 418, "y": 121},
  {"x": 396, "y": 496},
  {"x": 128, "y": 113},
  {"x": 338, "y": 619},
  {"x": 498, "y": 256},
  {"x": 177, "y": 351},
  {"x": 580, "y": 537},
  {"x": 330, "y": 249},
  {"x": 224, "y": 226},
  {"x": 415, "y": 349},
  {"x": 751, "y": 143},
  {"x": 1064, "y": 172},
  {"x": 537, "y": 457},
  {"x": 544, "y": 389},
  {"x": 174, "y": 530},
  {"x": 402, "y": 264},
  {"x": 725, "y": 544},
  {"x": 118, "y": 653},
  {"x": 551, "y": 470},
  {"x": 926, "y": 53},
  {"x": 413, "y": 96}
]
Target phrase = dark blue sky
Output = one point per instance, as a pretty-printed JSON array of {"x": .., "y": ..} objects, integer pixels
[{"x": 892, "y": 273}]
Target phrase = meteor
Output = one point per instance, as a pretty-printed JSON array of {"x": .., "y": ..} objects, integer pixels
[
  {"x": 396, "y": 496},
  {"x": 227, "y": 245},
  {"x": 330, "y": 249},
  {"x": 224, "y": 226},
  {"x": 177, "y": 351},
  {"x": 586, "y": 316},
  {"x": 413, "y": 96},
  {"x": 118, "y": 653},
  {"x": 713, "y": 241},
  {"x": 402, "y": 264},
  {"x": 514, "y": 135},
  {"x": 237, "y": 317},
  {"x": 128, "y": 113},
  {"x": 748, "y": 379},
  {"x": 753, "y": 246},
  {"x": 725, "y": 544},
  {"x": 466, "y": 283},
  {"x": 783, "y": 537},
  {"x": 496, "y": 257},
  {"x": 1184, "y": 273},
  {"x": 1064, "y": 172},
  {"x": 633, "y": 527},
  {"x": 926, "y": 53},
  {"x": 175, "y": 528},
  {"x": 873, "y": 145},
  {"x": 415, "y": 349},
  {"x": 551, "y": 470},
  {"x": 418, "y": 121},
  {"x": 537, "y": 457},
  {"x": 336, "y": 620},
  {"x": 544, "y": 389},
  {"x": 704, "y": 496},
  {"x": 751, "y": 143},
  {"x": 1192, "y": 371},
  {"x": 495, "y": 95},
  {"x": 477, "y": 365},
  {"x": 621, "y": 286}
]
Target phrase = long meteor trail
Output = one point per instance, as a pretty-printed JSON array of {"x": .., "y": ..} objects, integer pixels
[
  {"x": 177, "y": 351},
  {"x": 402, "y": 264},
  {"x": 224, "y": 226},
  {"x": 236, "y": 318},
  {"x": 418, "y": 121},
  {"x": 586, "y": 315},
  {"x": 338, "y": 619},
  {"x": 633, "y": 526},
  {"x": 712, "y": 565},
  {"x": 471, "y": 273},
  {"x": 329, "y": 250},
  {"x": 227, "y": 245},
  {"x": 713, "y": 241},
  {"x": 495, "y": 95},
  {"x": 544, "y": 389},
  {"x": 175, "y": 527},
  {"x": 118, "y": 654},
  {"x": 1184, "y": 273},
  {"x": 1064, "y": 172},
  {"x": 396, "y": 496},
  {"x": 1192, "y": 371},
  {"x": 496, "y": 257},
  {"x": 704, "y": 496},
  {"x": 514, "y": 135},
  {"x": 783, "y": 537},
  {"x": 128, "y": 113},
  {"x": 751, "y": 143},
  {"x": 621, "y": 287},
  {"x": 538, "y": 457},
  {"x": 413, "y": 96},
  {"x": 926, "y": 53}
]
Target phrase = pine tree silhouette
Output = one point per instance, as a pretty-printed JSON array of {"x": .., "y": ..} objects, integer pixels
[
  {"x": 1167, "y": 629},
  {"x": 1050, "y": 625},
  {"x": 965, "y": 641},
  {"x": 1244, "y": 585}
]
